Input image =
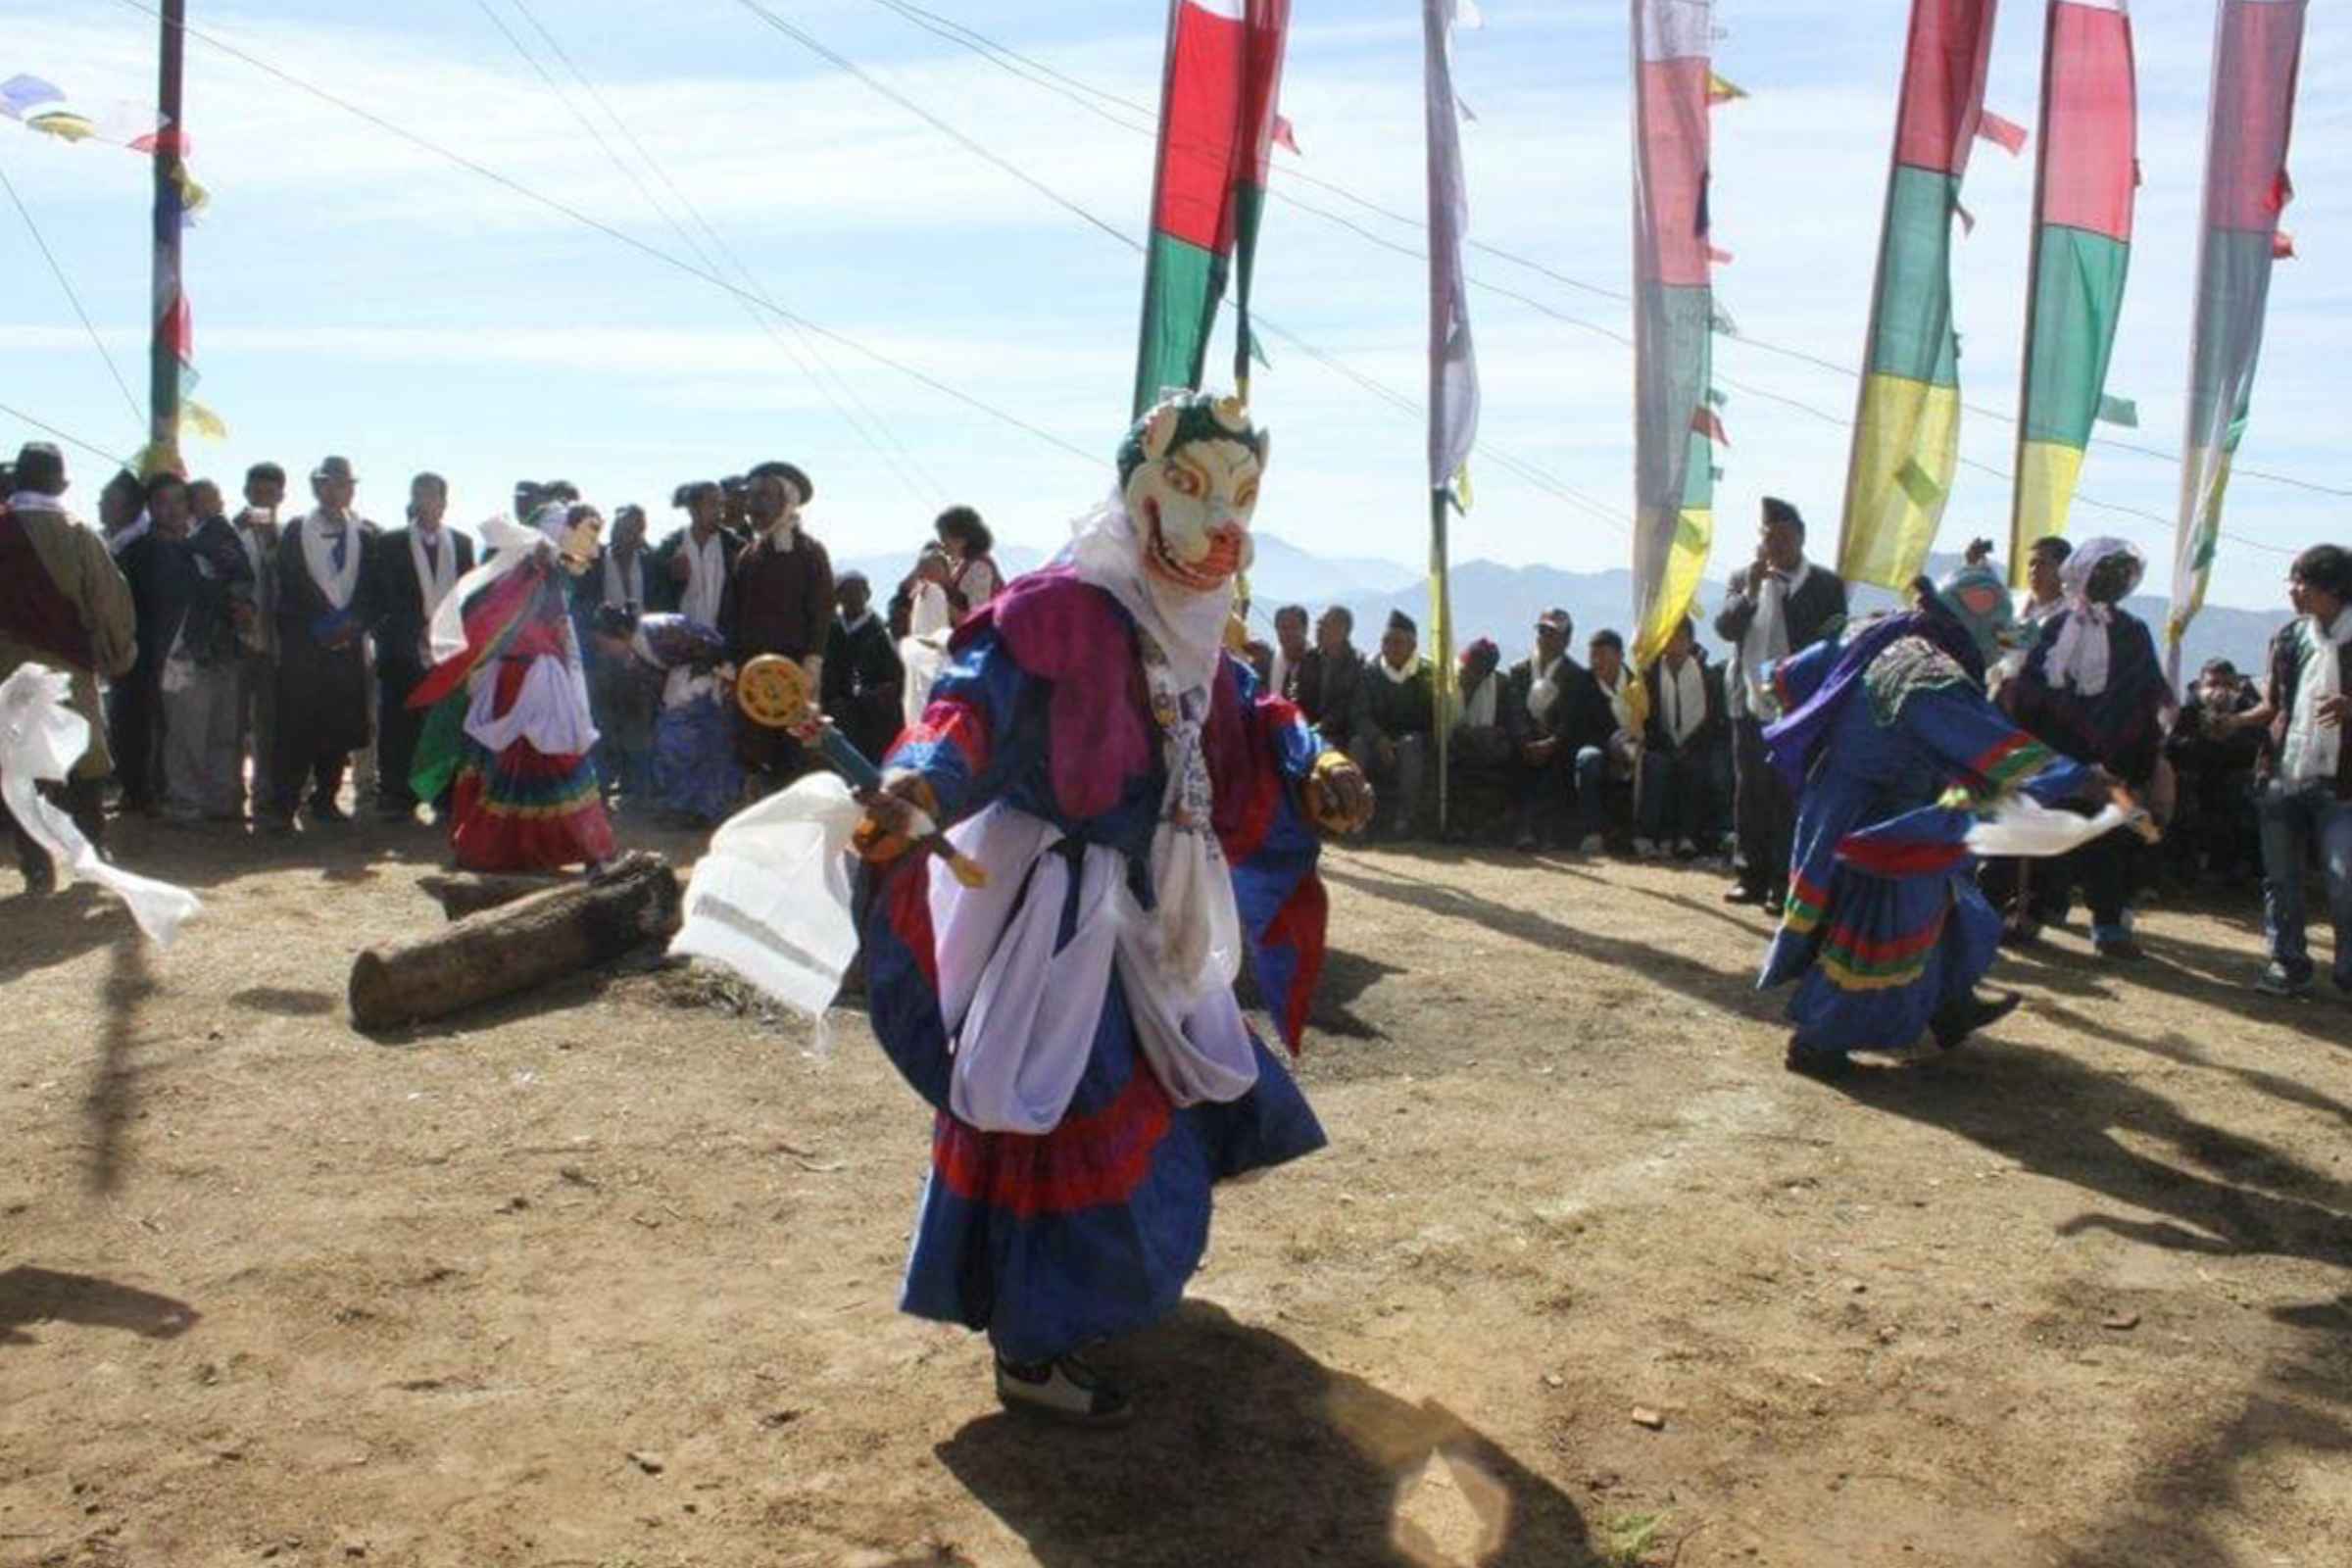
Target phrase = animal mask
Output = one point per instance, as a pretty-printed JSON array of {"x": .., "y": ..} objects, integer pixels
[{"x": 1190, "y": 472}]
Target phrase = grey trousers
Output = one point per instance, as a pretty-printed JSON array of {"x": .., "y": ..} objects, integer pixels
[
  {"x": 1399, "y": 788},
  {"x": 256, "y": 722},
  {"x": 199, "y": 745}
]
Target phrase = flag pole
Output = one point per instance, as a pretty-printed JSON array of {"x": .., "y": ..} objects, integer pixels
[
  {"x": 1145, "y": 396},
  {"x": 1878, "y": 292},
  {"x": 1441, "y": 645},
  {"x": 2025, "y": 369},
  {"x": 162, "y": 353}
]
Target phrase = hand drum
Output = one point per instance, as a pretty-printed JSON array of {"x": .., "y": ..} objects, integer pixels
[{"x": 773, "y": 692}]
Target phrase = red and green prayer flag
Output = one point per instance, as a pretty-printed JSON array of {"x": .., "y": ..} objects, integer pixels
[
  {"x": 2258, "y": 48},
  {"x": 1675, "y": 430},
  {"x": 1217, "y": 127},
  {"x": 1907, "y": 420},
  {"x": 2088, "y": 177}
]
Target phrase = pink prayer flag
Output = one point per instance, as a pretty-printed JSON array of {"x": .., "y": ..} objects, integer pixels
[
  {"x": 1707, "y": 424},
  {"x": 1718, "y": 258},
  {"x": 2283, "y": 245},
  {"x": 2008, "y": 133},
  {"x": 1284, "y": 136}
]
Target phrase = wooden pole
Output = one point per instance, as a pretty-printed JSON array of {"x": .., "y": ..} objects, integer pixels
[
  {"x": 2018, "y": 543},
  {"x": 171, "y": 149},
  {"x": 1440, "y": 604}
]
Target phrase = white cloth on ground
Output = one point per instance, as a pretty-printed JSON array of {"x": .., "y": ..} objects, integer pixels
[{"x": 41, "y": 737}]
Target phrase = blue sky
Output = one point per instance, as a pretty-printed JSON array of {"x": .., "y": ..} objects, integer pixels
[{"x": 354, "y": 293}]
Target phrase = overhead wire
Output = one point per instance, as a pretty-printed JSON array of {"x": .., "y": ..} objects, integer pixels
[
  {"x": 66, "y": 436},
  {"x": 759, "y": 319},
  {"x": 72, "y": 296},
  {"x": 1511, "y": 462},
  {"x": 622, "y": 236},
  {"x": 1037, "y": 71}
]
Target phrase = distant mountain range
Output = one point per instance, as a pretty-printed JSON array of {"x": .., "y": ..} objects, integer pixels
[{"x": 1493, "y": 600}]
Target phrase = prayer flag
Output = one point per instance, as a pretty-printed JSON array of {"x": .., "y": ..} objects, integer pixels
[
  {"x": 21, "y": 95},
  {"x": 1907, "y": 420},
  {"x": 1675, "y": 316},
  {"x": 1453, "y": 363},
  {"x": 2257, "y": 51},
  {"x": 1217, "y": 132},
  {"x": 2008, "y": 133},
  {"x": 2088, "y": 172}
]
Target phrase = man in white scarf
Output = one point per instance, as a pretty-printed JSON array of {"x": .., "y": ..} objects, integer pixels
[
  {"x": 419, "y": 565},
  {"x": 1780, "y": 604},
  {"x": 328, "y": 599},
  {"x": 2307, "y": 800}
]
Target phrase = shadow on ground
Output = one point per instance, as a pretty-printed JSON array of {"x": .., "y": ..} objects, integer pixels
[
  {"x": 1249, "y": 1450},
  {"x": 31, "y": 1295}
]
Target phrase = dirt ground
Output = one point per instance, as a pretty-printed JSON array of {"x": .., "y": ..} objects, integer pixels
[{"x": 605, "y": 1279}]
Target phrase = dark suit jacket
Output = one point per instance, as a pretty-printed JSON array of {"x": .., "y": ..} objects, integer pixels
[
  {"x": 1655, "y": 737},
  {"x": 401, "y": 597},
  {"x": 1579, "y": 715},
  {"x": 1327, "y": 693},
  {"x": 1814, "y": 611},
  {"x": 665, "y": 595}
]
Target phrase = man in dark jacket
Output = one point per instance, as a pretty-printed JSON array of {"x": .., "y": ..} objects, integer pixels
[
  {"x": 783, "y": 605},
  {"x": 1555, "y": 710},
  {"x": 416, "y": 568},
  {"x": 1328, "y": 677},
  {"x": 1396, "y": 723},
  {"x": 864, "y": 679},
  {"x": 1779, "y": 605},
  {"x": 1685, "y": 734},
  {"x": 2213, "y": 763}
]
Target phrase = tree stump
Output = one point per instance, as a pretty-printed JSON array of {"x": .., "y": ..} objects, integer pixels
[{"x": 518, "y": 946}]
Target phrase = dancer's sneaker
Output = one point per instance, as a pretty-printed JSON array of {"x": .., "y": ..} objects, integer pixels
[
  {"x": 1064, "y": 1389},
  {"x": 2277, "y": 981}
]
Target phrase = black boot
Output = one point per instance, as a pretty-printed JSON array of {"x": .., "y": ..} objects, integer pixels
[{"x": 1964, "y": 1015}]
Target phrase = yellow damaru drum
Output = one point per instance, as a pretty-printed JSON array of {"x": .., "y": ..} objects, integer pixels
[{"x": 773, "y": 692}]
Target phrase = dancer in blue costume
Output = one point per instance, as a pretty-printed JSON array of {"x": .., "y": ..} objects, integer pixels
[
  {"x": 1885, "y": 932},
  {"x": 1146, "y": 818}
]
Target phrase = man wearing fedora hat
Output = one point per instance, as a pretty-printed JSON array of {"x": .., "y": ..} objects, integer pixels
[
  {"x": 327, "y": 602},
  {"x": 63, "y": 603}
]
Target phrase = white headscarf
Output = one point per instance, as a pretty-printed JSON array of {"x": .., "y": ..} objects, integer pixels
[
  {"x": 1199, "y": 946},
  {"x": 2079, "y": 658},
  {"x": 1108, "y": 550}
]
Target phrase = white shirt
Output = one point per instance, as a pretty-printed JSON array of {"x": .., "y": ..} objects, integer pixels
[
  {"x": 1683, "y": 700},
  {"x": 2314, "y": 749}
]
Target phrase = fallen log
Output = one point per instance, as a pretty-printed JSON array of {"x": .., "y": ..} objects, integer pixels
[
  {"x": 516, "y": 945},
  {"x": 465, "y": 893}
]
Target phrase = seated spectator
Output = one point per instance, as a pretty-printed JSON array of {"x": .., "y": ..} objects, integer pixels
[
  {"x": 1328, "y": 677},
  {"x": 1395, "y": 714},
  {"x": 2214, "y": 753},
  {"x": 1290, "y": 651},
  {"x": 1684, "y": 749},
  {"x": 1550, "y": 703},
  {"x": 1480, "y": 749},
  {"x": 2306, "y": 797},
  {"x": 1612, "y": 747}
]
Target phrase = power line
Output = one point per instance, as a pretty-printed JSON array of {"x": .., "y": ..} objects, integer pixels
[
  {"x": 1042, "y": 74},
  {"x": 654, "y": 252},
  {"x": 66, "y": 436},
  {"x": 1508, "y": 462},
  {"x": 762, "y": 322},
  {"x": 73, "y": 298}
]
